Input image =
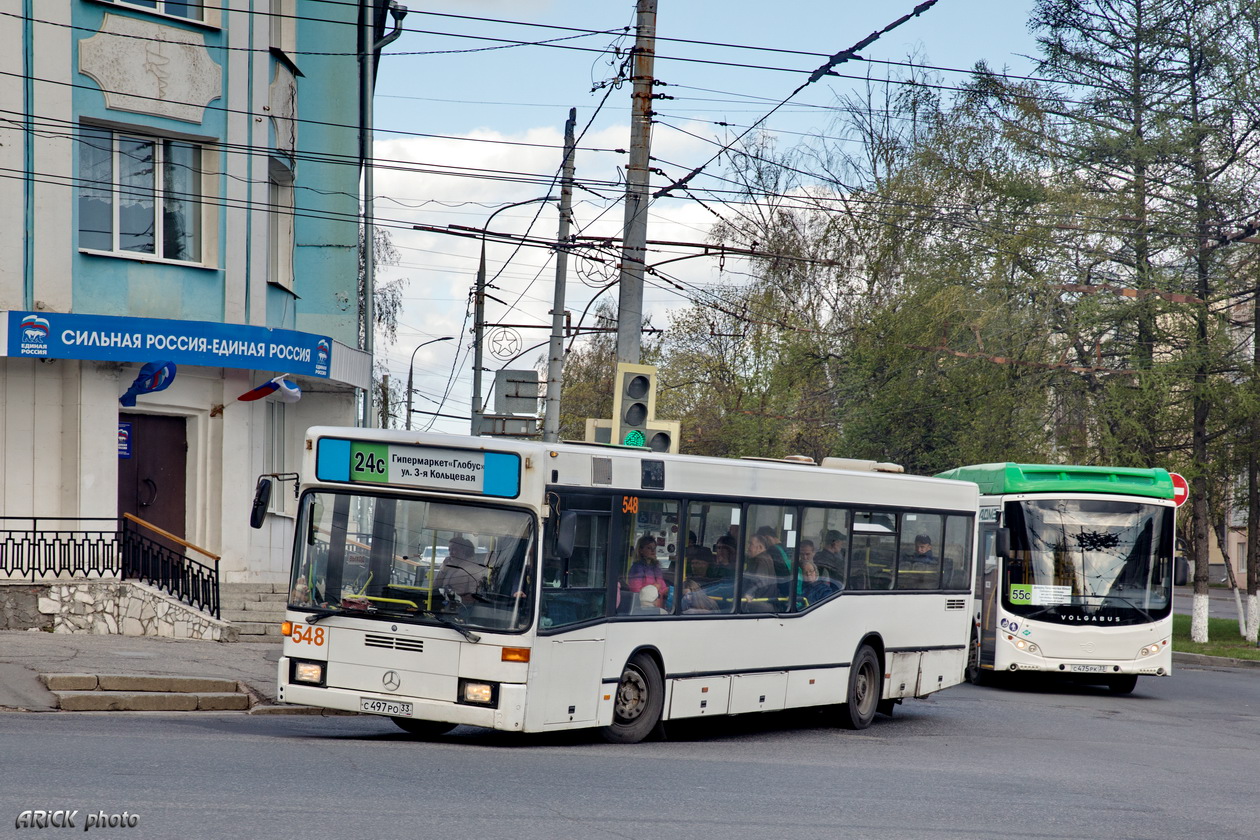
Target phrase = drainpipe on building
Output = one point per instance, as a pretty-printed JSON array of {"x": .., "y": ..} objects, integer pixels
[{"x": 368, "y": 56}]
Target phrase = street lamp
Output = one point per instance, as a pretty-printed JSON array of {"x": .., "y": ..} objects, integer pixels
[
  {"x": 479, "y": 311},
  {"x": 411, "y": 370}
]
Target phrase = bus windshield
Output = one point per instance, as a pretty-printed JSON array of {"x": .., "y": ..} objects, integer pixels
[
  {"x": 462, "y": 565},
  {"x": 1093, "y": 561}
]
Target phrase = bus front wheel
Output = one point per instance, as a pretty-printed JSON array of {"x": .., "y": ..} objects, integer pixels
[
  {"x": 423, "y": 728},
  {"x": 864, "y": 690},
  {"x": 975, "y": 675},
  {"x": 639, "y": 702}
]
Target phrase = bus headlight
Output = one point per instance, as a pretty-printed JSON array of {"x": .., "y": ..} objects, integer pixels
[
  {"x": 1149, "y": 650},
  {"x": 305, "y": 671},
  {"x": 475, "y": 693},
  {"x": 1022, "y": 644}
]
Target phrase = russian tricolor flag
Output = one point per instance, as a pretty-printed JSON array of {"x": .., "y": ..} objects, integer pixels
[{"x": 281, "y": 387}]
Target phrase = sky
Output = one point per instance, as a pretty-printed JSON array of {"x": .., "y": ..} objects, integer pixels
[{"x": 469, "y": 119}]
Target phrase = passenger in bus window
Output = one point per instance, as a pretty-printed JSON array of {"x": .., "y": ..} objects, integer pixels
[
  {"x": 695, "y": 600},
  {"x": 649, "y": 601},
  {"x": 830, "y": 560},
  {"x": 779, "y": 555},
  {"x": 814, "y": 588},
  {"x": 461, "y": 571},
  {"x": 724, "y": 551},
  {"x": 923, "y": 555},
  {"x": 773, "y": 544},
  {"x": 699, "y": 561},
  {"x": 806, "y": 551},
  {"x": 760, "y": 580},
  {"x": 646, "y": 569}
]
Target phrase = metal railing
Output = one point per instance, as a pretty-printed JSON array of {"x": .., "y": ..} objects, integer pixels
[
  {"x": 152, "y": 561},
  {"x": 42, "y": 547}
]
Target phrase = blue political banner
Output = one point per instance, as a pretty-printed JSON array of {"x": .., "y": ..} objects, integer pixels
[{"x": 60, "y": 335}]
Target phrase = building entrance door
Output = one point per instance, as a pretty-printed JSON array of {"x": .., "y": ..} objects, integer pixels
[{"x": 151, "y": 482}]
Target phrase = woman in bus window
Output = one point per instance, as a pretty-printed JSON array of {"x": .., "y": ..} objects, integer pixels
[{"x": 646, "y": 569}]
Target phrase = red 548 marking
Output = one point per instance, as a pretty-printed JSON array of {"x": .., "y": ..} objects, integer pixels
[{"x": 309, "y": 635}]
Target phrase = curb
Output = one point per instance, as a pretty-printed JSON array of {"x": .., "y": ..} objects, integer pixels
[
  {"x": 1214, "y": 661},
  {"x": 298, "y": 710}
]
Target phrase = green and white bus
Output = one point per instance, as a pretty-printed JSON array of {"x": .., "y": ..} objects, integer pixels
[
  {"x": 442, "y": 580},
  {"x": 1075, "y": 575}
]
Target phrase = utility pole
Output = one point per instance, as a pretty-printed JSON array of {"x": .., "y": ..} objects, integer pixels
[
  {"x": 555, "y": 356},
  {"x": 634, "y": 236}
]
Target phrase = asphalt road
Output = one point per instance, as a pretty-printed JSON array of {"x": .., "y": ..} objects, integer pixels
[
  {"x": 1177, "y": 759},
  {"x": 1221, "y": 602}
]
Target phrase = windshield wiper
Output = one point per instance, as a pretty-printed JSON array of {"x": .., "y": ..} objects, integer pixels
[
  {"x": 314, "y": 617},
  {"x": 1054, "y": 607},
  {"x": 464, "y": 631},
  {"x": 1144, "y": 613}
]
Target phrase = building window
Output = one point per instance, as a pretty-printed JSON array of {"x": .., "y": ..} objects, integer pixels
[
  {"x": 187, "y": 9},
  {"x": 276, "y": 450},
  {"x": 139, "y": 195},
  {"x": 280, "y": 239},
  {"x": 282, "y": 24}
]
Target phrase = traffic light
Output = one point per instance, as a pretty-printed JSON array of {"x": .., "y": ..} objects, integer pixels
[
  {"x": 634, "y": 411},
  {"x": 634, "y": 403}
]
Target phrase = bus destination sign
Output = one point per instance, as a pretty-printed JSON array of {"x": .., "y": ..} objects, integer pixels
[{"x": 421, "y": 467}]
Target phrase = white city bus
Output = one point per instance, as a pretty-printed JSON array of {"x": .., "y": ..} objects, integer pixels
[
  {"x": 528, "y": 587},
  {"x": 1076, "y": 578}
]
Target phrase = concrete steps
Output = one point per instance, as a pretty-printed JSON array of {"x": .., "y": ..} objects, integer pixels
[
  {"x": 145, "y": 693},
  {"x": 255, "y": 609}
]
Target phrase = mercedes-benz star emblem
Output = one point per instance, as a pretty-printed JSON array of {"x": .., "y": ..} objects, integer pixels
[{"x": 391, "y": 681}]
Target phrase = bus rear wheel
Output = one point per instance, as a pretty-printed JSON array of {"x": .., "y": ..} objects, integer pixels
[
  {"x": 423, "y": 728},
  {"x": 864, "y": 690},
  {"x": 1123, "y": 684},
  {"x": 639, "y": 702}
]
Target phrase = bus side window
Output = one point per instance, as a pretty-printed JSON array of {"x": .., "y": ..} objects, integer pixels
[
  {"x": 654, "y": 546},
  {"x": 573, "y": 588}
]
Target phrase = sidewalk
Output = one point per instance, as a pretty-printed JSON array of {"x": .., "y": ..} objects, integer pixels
[{"x": 24, "y": 655}]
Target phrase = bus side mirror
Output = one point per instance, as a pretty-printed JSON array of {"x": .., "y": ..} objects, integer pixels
[
  {"x": 566, "y": 535},
  {"x": 1181, "y": 571},
  {"x": 262, "y": 498},
  {"x": 1002, "y": 542}
]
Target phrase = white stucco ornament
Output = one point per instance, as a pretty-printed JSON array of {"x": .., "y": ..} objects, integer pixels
[
  {"x": 149, "y": 68},
  {"x": 283, "y": 101}
]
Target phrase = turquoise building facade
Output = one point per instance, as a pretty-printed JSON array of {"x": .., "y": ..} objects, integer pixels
[{"x": 189, "y": 194}]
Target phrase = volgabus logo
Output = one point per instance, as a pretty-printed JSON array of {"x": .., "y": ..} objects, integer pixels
[{"x": 34, "y": 336}]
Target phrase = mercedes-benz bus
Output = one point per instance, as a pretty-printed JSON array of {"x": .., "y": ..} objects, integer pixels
[{"x": 441, "y": 580}]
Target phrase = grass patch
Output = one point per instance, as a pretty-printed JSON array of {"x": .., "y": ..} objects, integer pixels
[{"x": 1223, "y": 633}]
